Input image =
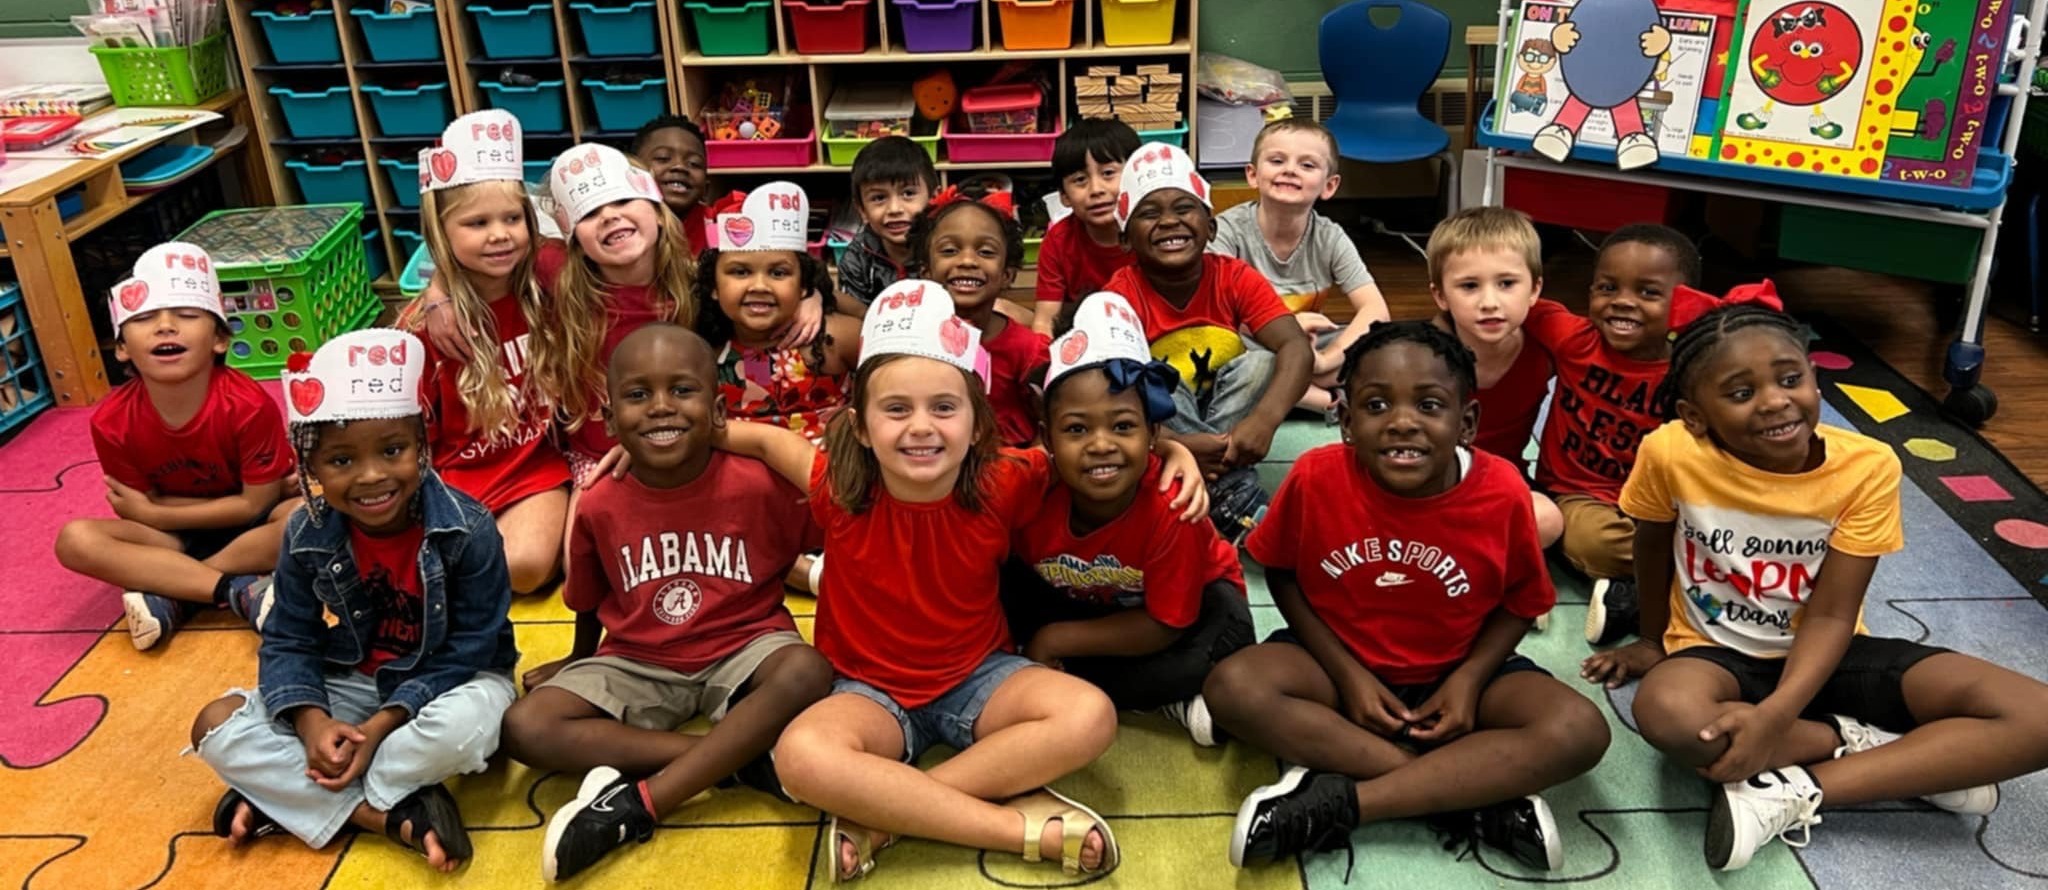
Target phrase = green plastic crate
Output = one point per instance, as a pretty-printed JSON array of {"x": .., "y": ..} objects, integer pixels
[
  {"x": 1905, "y": 247},
  {"x": 841, "y": 152},
  {"x": 742, "y": 29},
  {"x": 178, "y": 75},
  {"x": 293, "y": 278}
]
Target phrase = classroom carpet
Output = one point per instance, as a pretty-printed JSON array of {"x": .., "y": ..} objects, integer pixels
[{"x": 100, "y": 794}]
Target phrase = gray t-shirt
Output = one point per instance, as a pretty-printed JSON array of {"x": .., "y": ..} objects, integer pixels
[{"x": 1326, "y": 262}]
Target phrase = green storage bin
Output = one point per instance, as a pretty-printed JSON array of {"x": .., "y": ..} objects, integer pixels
[
  {"x": 841, "y": 152},
  {"x": 293, "y": 278},
  {"x": 1894, "y": 246},
  {"x": 177, "y": 75},
  {"x": 731, "y": 29}
]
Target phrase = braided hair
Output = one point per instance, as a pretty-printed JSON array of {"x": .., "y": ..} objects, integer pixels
[
  {"x": 1445, "y": 344},
  {"x": 305, "y": 439},
  {"x": 1698, "y": 341},
  {"x": 921, "y": 236}
]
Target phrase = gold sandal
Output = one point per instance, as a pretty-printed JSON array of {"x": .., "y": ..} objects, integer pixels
[
  {"x": 1076, "y": 821},
  {"x": 864, "y": 850}
]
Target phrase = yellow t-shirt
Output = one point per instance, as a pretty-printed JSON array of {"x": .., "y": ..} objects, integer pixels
[{"x": 1749, "y": 543}]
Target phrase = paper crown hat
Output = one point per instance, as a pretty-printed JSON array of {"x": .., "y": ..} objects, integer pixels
[
  {"x": 773, "y": 217},
  {"x": 589, "y": 176},
  {"x": 914, "y": 317},
  {"x": 1105, "y": 329},
  {"x": 171, "y": 275},
  {"x": 482, "y": 146},
  {"x": 361, "y": 375},
  {"x": 1155, "y": 166}
]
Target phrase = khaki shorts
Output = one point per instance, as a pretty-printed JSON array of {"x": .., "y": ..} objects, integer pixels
[{"x": 653, "y": 697}]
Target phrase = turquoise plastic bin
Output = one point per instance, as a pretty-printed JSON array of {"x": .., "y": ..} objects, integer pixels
[
  {"x": 412, "y": 36},
  {"x": 527, "y": 33},
  {"x": 541, "y": 108},
  {"x": 405, "y": 181},
  {"x": 309, "y": 39},
  {"x": 345, "y": 183},
  {"x": 625, "y": 30},
  {"x": 627, "y": 106},
  {"x": 417, "y": 112},
  {"x": 317, "y": 114}
]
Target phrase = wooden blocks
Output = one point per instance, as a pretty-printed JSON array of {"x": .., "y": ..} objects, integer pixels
[{"x": 1147, "y": 97}]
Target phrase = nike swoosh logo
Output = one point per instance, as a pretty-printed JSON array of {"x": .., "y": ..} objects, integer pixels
[
  {"x": 1391, "y": 579},
  {"x": 604, "y": 803}
]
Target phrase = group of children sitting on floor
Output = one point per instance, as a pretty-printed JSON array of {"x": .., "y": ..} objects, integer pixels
[{"x": 1025, "y": 535}]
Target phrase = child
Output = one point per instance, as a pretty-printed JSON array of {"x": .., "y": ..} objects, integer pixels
[
  {"x": 976, "y": 249},
  {"x": 681, "y": 564},
  {"x": 752, "y": 285},
  {"x": 194, "y": 456},
  {"x": 1082, "y": 249},
  {"x": 1407, "y": 568},
  {"x": 486, "y": 427},
  {"x": 1301, "y": 252},
  {"x": 359, "y": 722},
  {"x": 893, "y": 180},
  {"x": 918, "y": 506},
  {"x": 1116, "y": 590},
  {"x": 1192, "y": 305},
  {"x": 1760, "y": 675},
  {"x": 672, "y": 148}
]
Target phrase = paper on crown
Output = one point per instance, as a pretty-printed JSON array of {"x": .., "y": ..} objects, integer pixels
[
  {"x": 914, "y": 317},
  {"x": 773, "y": 217},
  {"x": 361, "y": 375},
  {"x": 482, "y": 146},
  {"x": 1105, "y": 329},
  {"x": 589, "y": 176},
  {"x": 171, "y": 275},
  {"x": 1155, "y": 166}
]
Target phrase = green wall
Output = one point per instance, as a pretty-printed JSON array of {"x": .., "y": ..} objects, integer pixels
[{"x": 1281, "y": 34}]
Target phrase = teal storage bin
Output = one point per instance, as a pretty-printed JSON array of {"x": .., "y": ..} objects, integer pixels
[
  {"x": 527, "y": 33},
  {"x": 411, "y": 36},
  {"x": 536, "y": 172},
  {"x": 345, "y": 183},
  {"x": 731, "y": 29},
  {"x": 309, "y": 39},
  {"x": 1176, "y": 136},
  {"x": 626, "y": 106},
  {"x": 419, "y": 271},
  {"x": 622, "y": 30},
  {"x": 407, "y": 240},
  {"x": 373, "y": 254},
  {"x": 417, "y": 112},
  {"x": 317, "y": 114},
  {"x": 24, "y": 383},
  {"x": 405, "y": 181},
  {"x": 540, "y": 108}
]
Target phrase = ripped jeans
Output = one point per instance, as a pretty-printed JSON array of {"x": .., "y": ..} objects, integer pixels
[{"x": 264, "y": 759}]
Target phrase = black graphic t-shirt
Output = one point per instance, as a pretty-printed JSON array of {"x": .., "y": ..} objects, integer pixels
[{"x": 390, "y": 569}]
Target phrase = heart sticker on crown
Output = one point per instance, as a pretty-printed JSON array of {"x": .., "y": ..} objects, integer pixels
[
  {"x": 953, "y": 336},
  {"x": 443, "y": 164},
  {"x": 1072, "y": 349},
  {"x": 132, "y": 295},
  {"x": 739, "y": 230},
  {"x": 307, "y": 395}
]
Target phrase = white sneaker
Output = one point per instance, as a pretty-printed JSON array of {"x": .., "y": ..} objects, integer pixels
[
  {"x": 1858, "y": 736},
  {"x": 1746, "y": 815},
  {"x": 1635, "y": 150},
  {"x": 1194, "y": 714},
  {"x": 1543, "y": 622},
  {"x": 1553, "y": 142}
]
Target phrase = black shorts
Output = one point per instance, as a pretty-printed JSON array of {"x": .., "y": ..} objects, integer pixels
[
  {"x": 1868, "y": 684},
  {"x": 201, "y": 543},
  {"x": 1414, "y": 694}
]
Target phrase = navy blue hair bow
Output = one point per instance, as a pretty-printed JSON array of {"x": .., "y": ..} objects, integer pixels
[{"x": 1155, "y": 381}]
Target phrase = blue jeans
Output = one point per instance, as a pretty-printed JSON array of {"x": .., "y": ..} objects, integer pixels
[
  {"x": 1239, "y": 386},
  {"x": 946, "y": 720}
]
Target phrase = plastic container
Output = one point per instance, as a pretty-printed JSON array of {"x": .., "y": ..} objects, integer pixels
[
  {"x": 1564, "y": 200},
  {"x": 419, "y": 270},
  {"x": 1138, "y": 22},
  {"x": 179, "y": 75},
  {"x": 308, "y": 39},
  {"x": 527, "y": 33},
  {"x": 293, "y": 278},
  {"x": 410, "y": 36},
  {"x": 408, "y": 241},
  {"x": 821, "y": 29},
  {"x": 1906, "y": 247},
  {"x": 841, "y": 152},
  {"x": 1176, "y": 136},
  {"x": 345, "y": 183},
  {"x": 730, "y": 126},
  {"x": 540, "y": 108},
  {"x": 870, "y": 111},
  {"x": 995, "y": 148},
  {"x": 938, "y": 26},
  {"x": 731, "y": 30},
  {"x": 422, "y": 111},
  {"x": 375, "y": 261},
  {"x": 536, "y": 172},
  {"x": 626, "y": 106},
  {"x": 405, "y": 182},
  {"x": 1031, "y": 246},
  {"x": 24, "y": 384},
  {"x": 619, "y": 30},
  {"x": 786, "y": 150},
  {"x": 1007, "y": 109},
  {"x": 317, "y": 114},
  {"x": 1037, "y": 24}
]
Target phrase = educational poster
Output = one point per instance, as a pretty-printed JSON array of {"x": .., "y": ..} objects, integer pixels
[
  {"x": 1807, "y": 88},
  {"x": 1668, "y": 102},
  {"x": 1949, "y": 61}
]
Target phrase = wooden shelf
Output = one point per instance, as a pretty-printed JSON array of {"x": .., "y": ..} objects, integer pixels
[{"x": 897, "y": 54}]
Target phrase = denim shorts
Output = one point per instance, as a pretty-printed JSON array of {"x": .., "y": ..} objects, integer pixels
[{"x": 949, "y": 719}]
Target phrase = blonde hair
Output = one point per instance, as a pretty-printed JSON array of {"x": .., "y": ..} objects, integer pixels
[
  {"x": 1297, "y": 125},
  {"x": 852, "y": 470},
  {"x": 1484, "y": 228},
  {"x": 494, "y": 407},
  {"x": 566, "y": 351}
]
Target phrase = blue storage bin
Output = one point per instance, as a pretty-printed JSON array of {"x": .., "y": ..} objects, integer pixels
[
  {"x": 309, "y": 39},
  {"x": 536, "y": 172},
  {"x": 405, "y": 182},
  {"x": 411, "y": 36},
  {"x": 24, "y": 384},
  {"x": 317, "y": 114},
  {"x": 626, "y": 30},
  {"x": 416, "y": 112},
  {"x": 345, "y": 183},
  {"x": 373, "y": 254},
  {"x": 540, "y": 108},
  {"x": 516, "y": 33},
  {"x": 407, "y": 241},
  {"x": 626, "y": 106}
]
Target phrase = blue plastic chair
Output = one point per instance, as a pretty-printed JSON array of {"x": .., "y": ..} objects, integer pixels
[{"x": 1378, "y": 76}]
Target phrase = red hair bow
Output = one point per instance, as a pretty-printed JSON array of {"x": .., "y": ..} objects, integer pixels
[
  {"x": 1688, "y": 304},
  {"x": 1002, "y": 202}
]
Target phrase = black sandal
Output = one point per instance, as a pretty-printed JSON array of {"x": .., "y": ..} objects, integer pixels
[
  {"x": 260, "y": 823},
  {"x": 430, "y": 809}
]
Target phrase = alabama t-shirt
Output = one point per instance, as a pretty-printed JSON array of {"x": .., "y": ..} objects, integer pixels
[
  {"x": 389, "y": 569},
  {"x": 1071, "y": 265},
  {"x": 683, "y": 577},
  {"x": 1013, "y": 353},
  {"x": 1749, "y": 543},
  {"x": 626, "y": 309},
  {"x": 1201, "y": 337},
  {"x": 1405, "y": 583},
  {"x": 1601, "y": 411},
  {"x": 236, "y": 439},
  {"x": 1324, "y": 263},
  {"x": 498, "y": 471}
]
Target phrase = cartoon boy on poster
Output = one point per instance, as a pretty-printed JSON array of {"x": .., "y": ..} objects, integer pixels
[{"x": 1607, "y": 51}]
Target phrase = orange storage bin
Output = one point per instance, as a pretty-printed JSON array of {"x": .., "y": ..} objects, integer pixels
[{"x": 1037, "y": 24}]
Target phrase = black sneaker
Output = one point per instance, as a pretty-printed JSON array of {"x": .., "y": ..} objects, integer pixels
[
  {"x": 1613, "y": 611},
  {"x": 605, "y": 814},
  {"x": 1303, "y": 812},
  {"x": 249, "y": 599},
  {"x": 1522, "y": 828},
  {"x": 1237, "y": 504}
]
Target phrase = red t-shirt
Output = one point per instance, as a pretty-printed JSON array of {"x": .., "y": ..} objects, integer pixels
[
  {"x": 1071, "y": 265},
  {"x": 909, "y": 602},
  {"x": 1406, "y": 583},
  {"x": 1203, "y": 337},
  {"x": 237, "y": 439},
  {"x": 1146, "y": 557},
  {"x": 1012, "y": 353},
  {"x": 1601, "y": 411},
  {"x": 684, "y": 577},
  {"x": 627, "y": 308},
  {"x": 1508, "y": 409},
  {"x": 390, "y": 571},
  {"x": 497, "y": 473}
]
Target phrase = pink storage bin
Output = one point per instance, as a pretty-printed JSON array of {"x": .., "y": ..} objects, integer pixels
[
  {"x": 725, "y": 154},
  {"x": 1008, "y": 108},
  {"x": 998, "y": 148}
]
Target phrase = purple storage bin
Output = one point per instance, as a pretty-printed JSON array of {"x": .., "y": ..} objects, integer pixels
[
  {"x": 938, "y": 26},
  {"x": 995, "y": 148},
  {"x": 729, "y": 153}
]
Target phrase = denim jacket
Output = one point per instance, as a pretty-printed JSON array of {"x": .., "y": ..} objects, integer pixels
[{"x": 466, "y": 590}]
